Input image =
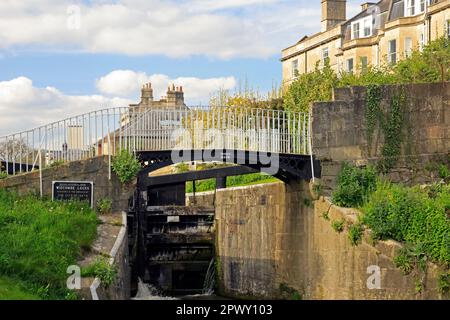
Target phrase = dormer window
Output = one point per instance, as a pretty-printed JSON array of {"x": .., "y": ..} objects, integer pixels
[
  {"x": 362, "y": 28},
  {"x": 422, "y": 5},
  {"x": 414, "y": 7},
  {"x": 367, "y": 27},
  {"x": 410, "y": 7},
  {"x": 355, "y": 30}
]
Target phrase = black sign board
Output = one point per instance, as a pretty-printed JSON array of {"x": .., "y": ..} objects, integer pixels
[{"x": 73, "y": 190}]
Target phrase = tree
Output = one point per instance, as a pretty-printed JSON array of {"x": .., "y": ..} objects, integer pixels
[
  {"x": 310, "y": 87},
  {"x": 430, "y": 65},
  {"x": 14, "y": 149}
]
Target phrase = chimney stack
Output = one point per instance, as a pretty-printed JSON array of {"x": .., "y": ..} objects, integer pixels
[
  {"x": 333, "y": 13},
  {"x": 146, "y": 94},
  {"x": 366, "y": 5}
]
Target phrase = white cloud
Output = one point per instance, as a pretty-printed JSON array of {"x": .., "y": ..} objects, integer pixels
[
  {"x": 127, "y": 83},
  {"x": 171, "y": 27},
  {"x": 24, "y": 106}
]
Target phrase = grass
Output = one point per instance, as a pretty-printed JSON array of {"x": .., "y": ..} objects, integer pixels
[
  {"x": 101, "y": 269},
  {"x": 40, "y": 239},
  {"x": 235, "y": 181},
  {"x": 11, "y": 289}
]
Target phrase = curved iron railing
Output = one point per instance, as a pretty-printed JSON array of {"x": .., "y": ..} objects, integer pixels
[{"x": 107, "y": 131}]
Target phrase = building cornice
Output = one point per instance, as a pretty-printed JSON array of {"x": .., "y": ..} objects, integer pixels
[{"x": 309, "y": 48}]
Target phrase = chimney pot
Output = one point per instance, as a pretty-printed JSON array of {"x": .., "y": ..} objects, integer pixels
[{"x": 366, "y": 5}]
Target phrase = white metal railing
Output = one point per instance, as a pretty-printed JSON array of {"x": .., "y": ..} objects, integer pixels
[{"x": 107, "y": 131}]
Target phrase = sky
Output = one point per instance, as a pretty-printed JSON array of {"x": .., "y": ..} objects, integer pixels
[{"x": 60, "y": 58}]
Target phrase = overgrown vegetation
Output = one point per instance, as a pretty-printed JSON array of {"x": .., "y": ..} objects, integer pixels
[
  {"x": 416, "y": 216},
  {"x": 104, "y": 206},
  {"x": 444, "y": 283},
  {"x": 353, "y": 185},
  {"x": 338, "y": 225},
  {"x": 392, "y": 129},
  {"x": 3, "y": 175},
  {"x": 126, "y": 166},
  {"x": 355, "y": 232},
  {"x": 39, "y": 239},
  {"x": 102, "y": 269},
  {"x": 410, "y": 215}
]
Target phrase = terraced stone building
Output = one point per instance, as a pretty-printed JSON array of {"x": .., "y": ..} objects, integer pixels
[{"x": 383, "y": 32}]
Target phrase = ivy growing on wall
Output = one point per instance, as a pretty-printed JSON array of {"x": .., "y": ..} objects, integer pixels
[
  {"x": 372, "y": 112},
  {"x": 391, "y": 124},
  {"x": 392, "y": 130}
]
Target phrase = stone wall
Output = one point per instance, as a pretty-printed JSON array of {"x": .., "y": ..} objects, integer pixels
[
  {"x": 273, "y": 242},
  {"x": 120, "y": 289},
  {"x": 96, "y": 170},
  {"x": 340, "y": 131}
]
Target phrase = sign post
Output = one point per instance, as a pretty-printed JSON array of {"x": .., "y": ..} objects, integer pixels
[{"x": 73, "y": 190}]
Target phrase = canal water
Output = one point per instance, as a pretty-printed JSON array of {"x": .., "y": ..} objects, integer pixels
[{"x": 147, "y": 291}]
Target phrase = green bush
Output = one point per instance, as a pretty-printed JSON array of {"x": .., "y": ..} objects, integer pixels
[
  {"x": 102, "y": 269},
  {"x": 40, "y": 239},
  {"x": 444, "y": 283},
  {"x": 410, "y": 215},
  {"x": 338, "y": 225},
  {"x": 126, "y": 166},
  {"x": 310, "y": 87},
  {"x": 444, "y": 172},
  {"x": 104, "y": 206},
  {"x": 353, "y": 185},
  {"x": 3, "y": 175},
  {"x": 355, "y": 233}
]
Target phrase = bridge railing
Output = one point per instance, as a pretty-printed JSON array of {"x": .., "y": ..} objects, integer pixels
[
  {"x": 220, "y": 128},
  {"x": 107, "y": 131}
]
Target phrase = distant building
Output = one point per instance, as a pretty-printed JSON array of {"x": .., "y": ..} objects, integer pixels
[
  {"x": 383, "y": 32},
  {"x": 174, "y": 100},
  {"x": 75, "y": 137}
]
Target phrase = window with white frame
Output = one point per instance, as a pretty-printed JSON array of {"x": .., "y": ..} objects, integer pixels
[
  {"x": 364, "y": 63},
  {"x": 423, "y": 5},
  {"x": 349, "y": 65},
  {"x": 448, "y": 28},
  {"x": 325, "y": 55},
  {"x": 392, "y": 52},
  {"x": 408, "y": 47},
  {"x": 413, "y": 7},
  {"x": 367, "y": 25},
  {"x": 294, "y": 68},
  {"x": 421, "y": 41},
  {"x": 362, "y": 28},
  {"x": 410, "y": 7},
  {"x": 355, "y": 30}
]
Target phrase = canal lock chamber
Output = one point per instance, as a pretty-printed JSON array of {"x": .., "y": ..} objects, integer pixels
[{"x": 172, "y": 245}]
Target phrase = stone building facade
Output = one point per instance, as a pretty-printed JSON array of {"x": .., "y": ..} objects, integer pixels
[
  {"x": 174, "y": 100},
  {"x": 383, "y": 32}
]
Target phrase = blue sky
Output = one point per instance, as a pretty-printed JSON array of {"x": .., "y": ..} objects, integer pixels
[{"x": 61, "y": 58}]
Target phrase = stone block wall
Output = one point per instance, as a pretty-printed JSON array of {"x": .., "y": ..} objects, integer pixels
[
  {"x": 340, "y": 131},
  {"x": 273, "y": 242},
  {"x": 95, "y": 170}
]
